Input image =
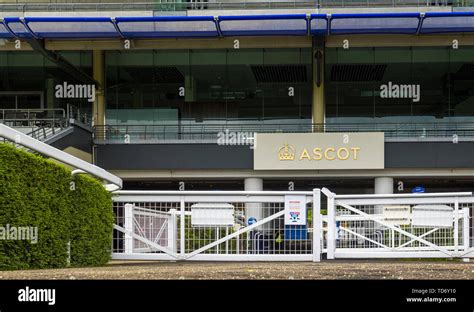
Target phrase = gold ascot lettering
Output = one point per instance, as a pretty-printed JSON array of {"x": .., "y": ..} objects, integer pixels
[
  {"x": 317, "y": 153},
  {"x": 339, "y": 153},
  {"x": 326, "y": 153},
  {"x": 330, "y": 153}
]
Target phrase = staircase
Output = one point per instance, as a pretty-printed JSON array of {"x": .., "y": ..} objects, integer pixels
[{"x": 45, "y": 125}]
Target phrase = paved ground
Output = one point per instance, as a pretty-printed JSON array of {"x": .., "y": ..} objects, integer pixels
[{"x": 398, "y": 269}]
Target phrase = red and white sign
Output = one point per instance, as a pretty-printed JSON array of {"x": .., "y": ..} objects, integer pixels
[{"x": 295, "y": 210}]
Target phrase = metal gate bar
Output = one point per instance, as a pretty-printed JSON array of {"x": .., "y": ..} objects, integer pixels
[{"x": 265, "y": 240}]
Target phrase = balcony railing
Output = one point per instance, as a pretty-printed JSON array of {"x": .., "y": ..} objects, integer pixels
[
  {"x": 212, "y": 132},
  {"x": 28, "y": 118}
]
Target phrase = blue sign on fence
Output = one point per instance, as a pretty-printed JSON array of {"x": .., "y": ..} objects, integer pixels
[
  {"x": 418, "y": 189},
  {"x": 251, "y": 220}
]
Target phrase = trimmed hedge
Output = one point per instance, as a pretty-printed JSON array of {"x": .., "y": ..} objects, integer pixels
[
  {"x": 92, "y": 220},
  {"x": 71, "y": 213}
]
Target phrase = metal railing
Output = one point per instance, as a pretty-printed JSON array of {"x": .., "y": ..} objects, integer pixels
[
  {"x": 75, "y": 113},
  {"x": 436, "y": 225},
  {"x": 150, "y": 133},
  {"x": 214, "y": 226},
  {"x": 40, "y": 123},
  {"x": 262, "y": 226},
  {"x": 130, "y": 5},
  {"x": 45, "y": 132},
  {"x": 43, "y": 123},
  {"x": 12, "y": 135},
  {"x": 21, "y": 118}
]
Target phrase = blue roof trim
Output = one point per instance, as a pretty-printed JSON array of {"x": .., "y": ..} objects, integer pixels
[
  {"x": 448, "y": 14},
  {"x": 17, "y": 27},
  {"x": 159, "y": 26},
  {"x": 179, "y": 18},
  {"x": 67, "y": 19},
  {"x": 80, "y": 27},
  {"x": 8, "y": 33},
  {"x": 375, "y": 23},
  {"x": 235, "y": 25},
  {"x": 262, "y": 17},
  {"x": 317, "y": 30},
  {"x": 374, "y": 15},
  {"x": 447, "y": 22},
  {"x": 257, "y": 25}
]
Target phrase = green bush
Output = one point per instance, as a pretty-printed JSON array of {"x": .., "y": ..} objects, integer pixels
[
  {"x": 92, "y": 221},
  {"x": 37, "y": 192}
]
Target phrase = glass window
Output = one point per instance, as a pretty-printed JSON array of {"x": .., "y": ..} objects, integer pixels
[
  {"x": 28, "y": 79},
  {"x": 399, "y": 84},
  {"x": 211, "y": 85}
]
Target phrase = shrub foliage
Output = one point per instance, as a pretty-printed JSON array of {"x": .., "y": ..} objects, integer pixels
[{"x": 73, "y": 215}]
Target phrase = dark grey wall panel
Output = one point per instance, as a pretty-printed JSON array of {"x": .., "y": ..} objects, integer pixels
[
  {"x": 429, "y": 155},
  {"x": 80, "y": 138},
  {"x": 173, "y": 156},
  {"x": 212, "y": 156}
]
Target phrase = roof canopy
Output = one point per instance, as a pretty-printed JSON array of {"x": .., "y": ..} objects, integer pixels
[{"x": 236, "y": 25}]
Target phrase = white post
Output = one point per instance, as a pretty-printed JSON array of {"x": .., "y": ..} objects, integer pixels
[
  {"x": 128, "y": 226},
  {"x": 317, "y": 220},
  {"x": 254, "y": 210},
  {"x": 382, "y": 185},
  {"x": 227, "y": 242},
  {"x": 237, "y": 249},
  {"x": 465, "y": 231},
  {"x": 331, "y": 236},
  {"x": 217, "y": 238},
  {"x": 172, "y": 230},
  {"x": 456, "y": 226},
  {"x": 182, "y": 234}
]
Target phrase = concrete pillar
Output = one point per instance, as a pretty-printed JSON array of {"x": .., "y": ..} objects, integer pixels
[
  {"x": 50, "y": 96},
  {"x": 98, "y": 73},
  {"x": 318, "y": 99},
  {"x": 253, "y": 184},
  {"x": 190, "y": 89},
  {"x": 383, "y": 185},
  {"x": 50, "y": 93},
  {"x": 253, "y": 209}
]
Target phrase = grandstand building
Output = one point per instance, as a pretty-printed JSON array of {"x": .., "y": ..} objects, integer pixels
[{"x": 361, "y": 97}]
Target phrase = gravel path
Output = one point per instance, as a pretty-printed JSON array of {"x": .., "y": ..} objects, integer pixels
[{"x": 395, "y": 269}]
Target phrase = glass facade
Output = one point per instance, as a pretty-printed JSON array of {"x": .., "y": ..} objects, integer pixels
[
  {"x": 28, "y": 80},
  {"x": 213, "y": 86},
  {"x": 399, "y": 85},
  {"x": 196, "y": 86}
]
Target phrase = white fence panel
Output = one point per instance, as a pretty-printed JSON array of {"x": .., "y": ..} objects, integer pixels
[
  {"x": 436, "y": 225},
  {"x": 159, "y": 225}
]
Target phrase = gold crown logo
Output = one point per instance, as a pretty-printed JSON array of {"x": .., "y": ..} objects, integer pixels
[{"x": 286, "y": 153}]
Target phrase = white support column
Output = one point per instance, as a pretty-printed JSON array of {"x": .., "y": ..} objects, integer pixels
[
  {"x": 331, "y": 235},
  {"x": 456, "y": 226},
  {"x": 182, "y": 247},
  {"x": 317, "y": 225},
  {"x": 465, "y": 228},
  {"x": 253, "y": 209},
  {"x": 172, "y": 230},
  {"x": 128, "y": 226},
  {"x": 465, "y": 232},
  {"x": 382, "y": 185}
]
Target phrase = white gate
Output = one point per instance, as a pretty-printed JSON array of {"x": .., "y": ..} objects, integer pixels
[
  {"x": 214, "y": 225},
  {"x": 427, "y": 225},
  {"x": 252, "y": 226}
]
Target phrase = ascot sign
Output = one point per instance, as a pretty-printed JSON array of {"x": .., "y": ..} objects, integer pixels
[{"x": 306, "y": 151}]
